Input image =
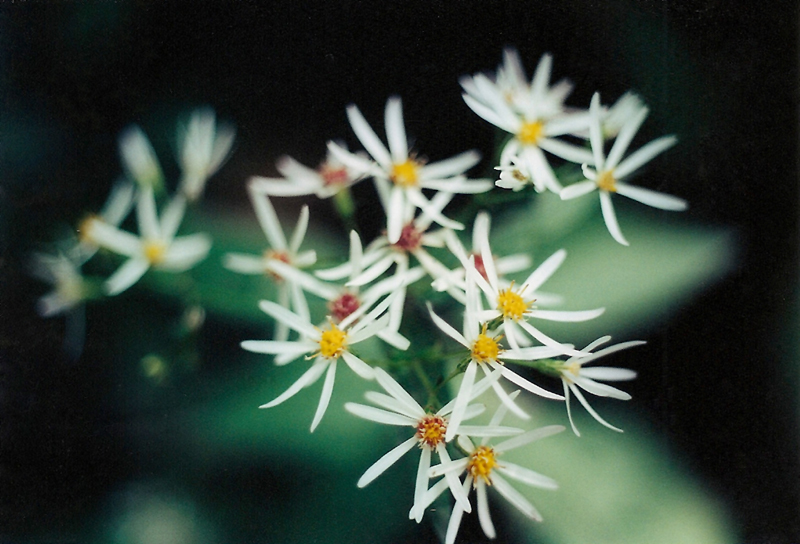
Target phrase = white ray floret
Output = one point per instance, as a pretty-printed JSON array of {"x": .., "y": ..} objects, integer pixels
[
  {"x": 116, "y": 208},
  {"x": 399, "y": 175},
  {"x": 281, "y": 254},
  {"x": 204, "y": 146},
  {"x": 139, "y": 159},
  {"x": 325, "y": 346},
  {"x": 609, "y": 172},
  {"x": 329, "y": 178},
  {"x": 400, "y": 408},
  {"x": 575, "y": 377}
]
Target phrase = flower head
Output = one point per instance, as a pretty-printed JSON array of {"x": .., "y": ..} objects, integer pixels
[{"x": 609, "y": 172}]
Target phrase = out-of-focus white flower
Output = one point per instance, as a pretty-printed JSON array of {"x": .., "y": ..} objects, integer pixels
[
  {"x": 484, "y": 467},
  {"x": 485, "y": 351},
  {"x": 156, "y": 246},
  {"x": 575, "y": 376},
  {"x": 139, "y": 159},
  {"x": 401, "y": 409},
  {"x": 70, "y": 289},
  {"x": 204, "y": 146},
  {"x": 400, "y": 176},
  {"x": 609, "y": 171},
  {"x": 628, "y": 105},
  {"x": 280, "y": 253},
  {"x": 324, "y": 346},
  {"x": 535, "y": 122},
  {"x": 329, "y": 178},
  {"x": 116, "y": 208}
]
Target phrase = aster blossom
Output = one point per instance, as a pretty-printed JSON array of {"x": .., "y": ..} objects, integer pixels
[
  {"x": 204, "y": 146},
  {"x": 610, "y": 170},
  {"x": 484, "y": 467},
  {"x": 400, "y": 176},
  {"x": 156, "y": 246},
  {"x": 329, "y": 178},
  {"x": 535, "y": 123},
  {"x": 575, "y": 377},
  {"x": 399, "y": 408},
  {"x": 325, "y": 346},
  {"x": 281, "y": 252}
]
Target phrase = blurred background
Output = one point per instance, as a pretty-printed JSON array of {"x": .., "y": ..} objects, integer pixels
[{"x": 153, "y": 433}]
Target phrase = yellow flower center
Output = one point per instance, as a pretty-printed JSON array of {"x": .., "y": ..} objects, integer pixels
[
  {"x": 481, "y": 463},
  {"x": 531, "y": 133},
  {"x": 573, "y": 368},
  {"x": 85, "y": 229},
  {"x": 511, "y": 304},
  {"x": 154, "y": 251},
  {"x": 605, "y": 180},
  {"x": 405, "y": 173},
  {"x": 332, "y": 342},
  {"x": 431, "y": 430},
  {"x": 485, "y": 348}
]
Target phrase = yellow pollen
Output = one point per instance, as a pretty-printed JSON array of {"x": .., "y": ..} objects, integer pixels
[
  {"x": 154, "y": 251},
  {"x": 481, "y": 463},
  {"x": 531, "y": 133},
  {"x": 485, "y": 348},
  {"x": 85, "y": 228},
  {"x": 511, "y": 304},
  {"x": 431, "y": 430},
  {"x": 605, "y": 180},
  {"x": 332, "y": 342},
  {"x": 404, "y": 174}
]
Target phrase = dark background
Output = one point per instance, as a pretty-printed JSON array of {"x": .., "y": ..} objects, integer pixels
[{"x": 721, "y": 76}]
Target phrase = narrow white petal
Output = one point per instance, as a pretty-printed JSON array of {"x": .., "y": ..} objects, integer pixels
[
  {"x": 430, "y": 495},
  {"x": 358, "y": 366},
  {"x": 282, "y": 187},
  {"x": 459, "y": 494},
  {"x": 565, "y": 316},
  {"x": 368, "y": 138},
  {"x": 566, "y": 349},
  {"x": 611, "y": 218},
  {"x": 396, "y": 390},
  {"x": 462, "y": 399},
  {"x": 540, "y": 169},
  {"x": 545, "y": 270},
  {"x": 421, "y": 481},
  {"x": 309, "y": 377},
  {"x": 596, "y": 132},
  {"x": 488, "y": 114},
  {"x": 600, "y": 389},
  {"x": 396, "y": 130},
  {"x": 146, "y": 214},
  {"x": 610, "y": 374},
  {"x": 353, "y": 161},
  {"x": 379, "y": 416},
  {"x": 390, "y": 403},
  {"x": 281, "y": 314},
  {"x": 577, "y": 189},
  {"x": 372, "y": 271},
  {"x": 566, "y": 151},
  {"x": 244, "y": 264},
  {"x": 451, "y": 167},
  {"x": 325, "y": 396},
  {"x": 527, "y": 476},
  {"x": 447, "y": 328},
  {"x": 652, "y": 198},
  {"x": 172, "y": 216},
  {"x": 484, "y": 516},
  {"x": 455, "y": 516},
  {"x": 278, "y": 347},
  {"x": 268, "y": 220},
  {"x": 516, "y": 379},
  {"x": 299, "y": 231},
  {"x": 591, "y": 411},
  {"x": 567, "y": 388},
  {"x": 528, "y": 437},
  {"x": 623, "y": 140},
  {"x": 125, "y": 276},
  {"x": 644, "y": 155},
  {"x": 185, "y": 252},
  {"x": 515, "y": 498}
]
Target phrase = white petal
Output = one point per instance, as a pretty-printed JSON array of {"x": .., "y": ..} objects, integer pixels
[
  {"x": 566, "y": 316},
  {"x": 325, "y": 396},
  {"x": 591, "y": 411},
  {"x": 244, "y": 264},
  {"x": 309, "y": 376},
  {"x": 395, "y": 130},
  {"x": 268, "y": 220},
  {"x": 464, "y": 394},
  {"x": 447, "y": 328},
  {"x": 281, "y": 314},
  {"x": 528, "y": 437},
  {"x": 527, "y": 476},
  {"x": 452, "y": 166},
  {"x": 172, "y": 216},
  {"x": 516, "y": 379},
  {"x": 421, "y": 483},
  {"x": 484, "y": 516},
  {"x": 396, "y": 390},
  {"x": 610, "y": 218},
  {"x": 358, "y": 366},
  {"x": 566, "y": 151},
  {"x": 577, "y": 189},
  {"x": 515, "y": 498},
  {"x": 299, "y": 231},
  {"x": 644, "y": 155},
  {"x": 609, "y": 374},
  {"x": 596, "y": 133},
  {"x": 368, "y": 138},
  {"x": 652, "y": 198},
  {"x": 623, "y": 140},
  {"x": 185, "y": 252},
  {"x": 125, "y": 276}
]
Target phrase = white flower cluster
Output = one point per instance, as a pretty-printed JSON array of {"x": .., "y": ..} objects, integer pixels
[
  {"x": 203, "y": 147},
  {"x": 367, "y": 295}
]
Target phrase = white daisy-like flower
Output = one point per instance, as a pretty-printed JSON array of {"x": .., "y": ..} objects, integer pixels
[
  {"x": 484, "y": 467},
  {"x": 515, "y": 305},
  {"x": 280, "y": 252},
  {"x": 116, "y": 208},
  {"x": 400, "y": 176},
  {"x": 484, "y": 351},
  {"x": 329, "y": 178},
  {"x": 575, "y": 377},
  {"x": 70, "y": 289},
  {"x": 381, "y": 254},
  {"x": 139, "y": 158},
  {"x": 156, "y": 246},
  {"x": 344, "y": 301},
  {"x": 204, "y": 147},
  {"x": 609, "y": 171},
  {"x": 535, "y": 124},
  {"x": 324, "y": 346},
  {"x": 400, "y": 408}
]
